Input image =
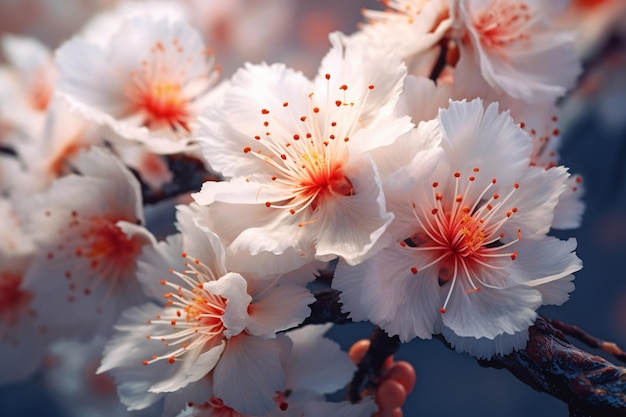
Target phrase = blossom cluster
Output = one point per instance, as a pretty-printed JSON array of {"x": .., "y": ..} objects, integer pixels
[{"x": 421, "y": 160}]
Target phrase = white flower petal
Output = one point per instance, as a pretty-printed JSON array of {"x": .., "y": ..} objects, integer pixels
[
  {"x": 347, "y": 62},
  {"x": 278, "y": 307},
  {"x": 351, "y": 226},
  {"x": 547, "y": 265},
  {"x": 249, "y": 373},
  {"x": 317, "y": 363},
  {"x": 233, "y": 288},
  {"x": 490, "y": 312},
  {"x": 484, "y": 348}
]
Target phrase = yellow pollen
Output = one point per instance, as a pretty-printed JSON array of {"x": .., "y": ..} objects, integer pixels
[{"x": 472, "y": 233}]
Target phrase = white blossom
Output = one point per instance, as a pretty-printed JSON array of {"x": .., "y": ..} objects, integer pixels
[{"x": 471, "y": 258}]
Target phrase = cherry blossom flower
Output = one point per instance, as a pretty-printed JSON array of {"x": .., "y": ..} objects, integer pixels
[
  {"x": 88, "y": 235},
  {"x": 510, "y": 45},
  {"x": 148, "y": 84},
  {"x": 471, "y": 258},
  {"x": 209, "y": 323},
  {"x": 302, "y": 184}
]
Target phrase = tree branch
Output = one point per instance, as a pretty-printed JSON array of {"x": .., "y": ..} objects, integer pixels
[{"x": 589, "y": 384}]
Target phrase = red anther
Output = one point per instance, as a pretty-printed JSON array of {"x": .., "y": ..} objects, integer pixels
[
  {"x": 435, "y": 184},
  {"x": 265, "y": 111},
  {"x": 434, "y": 211},
  {"x": 303, "y": 118},
  {"x": 442, "y": 310},
  {"x": 438, "y": 196},
  {"x": 496, "y": 196},
  {"x": 458, "y": 198},
  {"x": 514, "y": 256},
  {"x": 247, "y": 149},
  {"x": 296, "y": 137},
  {"x": 338, "y": 103},
  {"x": 283, "y": 157},
  {"x": 171, "y": 359},
  {"x": 316, "y": 109},
  {"x": 457, "y": 174},
  {"x": 257, "y": 137},
  {"x": 472, "y": 178},
  {"x": 414, "y": 270},
  {"x": 476, "y": 169},
  {"x": 327, "y": 76},
  {"x": 343, "y": 87},
  {"x": 371, "y": 86},
  {"x": 516, "y": 185},
  {"x": 268, "y": 204},
  {"x": 285, "y": 104}
]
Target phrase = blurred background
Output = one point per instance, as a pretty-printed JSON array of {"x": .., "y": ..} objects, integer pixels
[{"x": 448, "y": 384}]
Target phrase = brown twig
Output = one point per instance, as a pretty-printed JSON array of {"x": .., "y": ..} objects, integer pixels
[
  {"x": 370, "y": 367},
  {"x": 591, "y": 341}
]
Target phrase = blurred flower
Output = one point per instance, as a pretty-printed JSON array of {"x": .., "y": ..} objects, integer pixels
[
  {"x": 87, "y": 234},
  {"x": 26, "y": 84},
  {"x": 148, "y": 84}
]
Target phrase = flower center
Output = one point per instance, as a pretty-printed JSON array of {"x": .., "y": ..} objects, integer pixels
[
  {"x": 461, "y": 235},
  {"x": 307, "y": 164},
  {"x": 165, "y": 104},
  {"x": 193, "y": 315},
  {"x": 503, "y": 22},
  {"x": 163, "y": 92},
  {"x": 105, "y": 241}
]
